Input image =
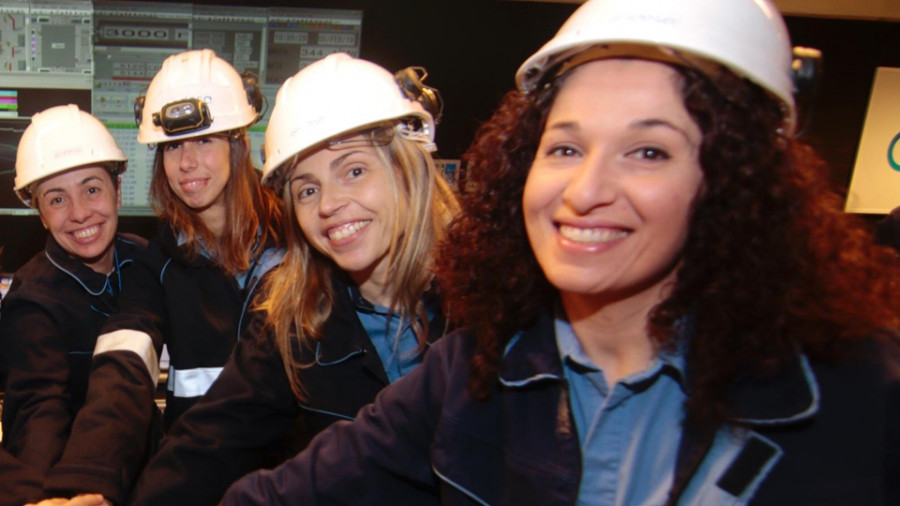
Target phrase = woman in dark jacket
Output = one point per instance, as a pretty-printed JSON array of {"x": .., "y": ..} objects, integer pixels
[
  {"x": 220, "y": 232},
  {"x": 352, "y": 308},
  {"x": 664, "y": 301},
  {"x": 67, "y": 167}
]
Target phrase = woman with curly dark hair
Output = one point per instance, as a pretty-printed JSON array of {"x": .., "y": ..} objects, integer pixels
[{"x": 664, "y": 302}]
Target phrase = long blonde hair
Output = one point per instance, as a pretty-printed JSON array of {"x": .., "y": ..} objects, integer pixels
[
  {"x": 300, "y": 296},
  {"x": 251, "y": 209}
]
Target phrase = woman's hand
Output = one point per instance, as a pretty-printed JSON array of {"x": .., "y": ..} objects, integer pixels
[{"x": 78, "y": 500}]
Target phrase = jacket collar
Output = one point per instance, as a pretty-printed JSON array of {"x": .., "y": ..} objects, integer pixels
[
  {"x": 92, "y": 282},
  {"x": 170, "y": 243},
  {"x": 173, "y": 247},
  {"x": 437, "y": 323},
  {"x": 532, "y": 355},
  {"x": 342, "y": 331},
  {"x": 790, "y": 395},
  {"x": 345, "y": 336}
]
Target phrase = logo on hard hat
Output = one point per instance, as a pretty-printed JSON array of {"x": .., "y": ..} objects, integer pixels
[
  {"x": 313, "y": 122},
  {"x": 666, "y": 20},
  {"x": 68, "y": 152}
]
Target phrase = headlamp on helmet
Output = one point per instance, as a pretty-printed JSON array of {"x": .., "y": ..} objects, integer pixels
[
  {"x": 183, "y": 116},
  {"x": 223, "y": 100}
]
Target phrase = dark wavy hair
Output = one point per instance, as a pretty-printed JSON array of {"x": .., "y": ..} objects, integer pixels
[{"x": 771, "y": 262}]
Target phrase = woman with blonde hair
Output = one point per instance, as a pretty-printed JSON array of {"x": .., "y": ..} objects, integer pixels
[{"x": 353, "y": 307}]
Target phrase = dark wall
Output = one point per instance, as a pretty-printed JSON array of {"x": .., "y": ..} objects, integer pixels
[
  {"x": 472, "y": 48},
  {"x": 852, "y": 50}
]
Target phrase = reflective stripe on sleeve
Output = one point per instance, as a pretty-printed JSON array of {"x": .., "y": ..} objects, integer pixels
[
  {"x": 191, "y": 382},
  {"x": 135, "y": 342}
]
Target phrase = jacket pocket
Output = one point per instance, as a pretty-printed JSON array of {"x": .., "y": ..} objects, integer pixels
[{"x": 737, "y": 463}]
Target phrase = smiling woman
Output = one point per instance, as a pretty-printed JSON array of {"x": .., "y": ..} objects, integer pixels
[
  {"x": 346, "y": 205},
  {"x": 222, "y": 228},
  {"x": 67, "y": 167},
  {"x": 662, "y": 300},
  {"x": 197, "y": 171},
  {"x": 606, "y": 207},
  {"x": 79, "y": 208},
  {"x": 193, "y": 286},
  {"x": 352, "y": 308}
]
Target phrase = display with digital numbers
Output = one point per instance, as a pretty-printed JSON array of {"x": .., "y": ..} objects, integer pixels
[{"x": 102, "y": 55}]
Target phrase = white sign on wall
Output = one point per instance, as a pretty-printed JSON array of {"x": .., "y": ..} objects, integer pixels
[{"x": 875, "y": 184}]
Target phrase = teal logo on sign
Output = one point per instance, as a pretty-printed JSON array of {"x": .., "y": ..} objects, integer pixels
[{"x": 891, "y": 158}]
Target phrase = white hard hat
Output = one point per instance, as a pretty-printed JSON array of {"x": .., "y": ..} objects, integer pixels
[
  {"x": 194, "y": 93},
  {"x": 748, "y": 37},
  {"x": 58, "y": 139},
  {"x": 332, "y": 96}
]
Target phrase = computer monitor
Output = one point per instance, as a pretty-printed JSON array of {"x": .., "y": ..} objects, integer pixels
[{"x": 101, "y": 55}]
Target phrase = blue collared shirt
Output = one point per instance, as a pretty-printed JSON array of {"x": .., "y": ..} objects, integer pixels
[
  {"x": 629, "y": 433},
  {"x": 392, "y": 335}
]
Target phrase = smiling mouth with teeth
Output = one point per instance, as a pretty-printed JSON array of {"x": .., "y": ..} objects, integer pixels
[
  {"x": 591, "y": 235},
  {"x": 87, "y": 232},
  {"x": 346, "y": 230}
]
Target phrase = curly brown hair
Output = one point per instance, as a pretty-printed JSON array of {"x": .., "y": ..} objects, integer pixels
[{"x": 771, "y": 262}]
